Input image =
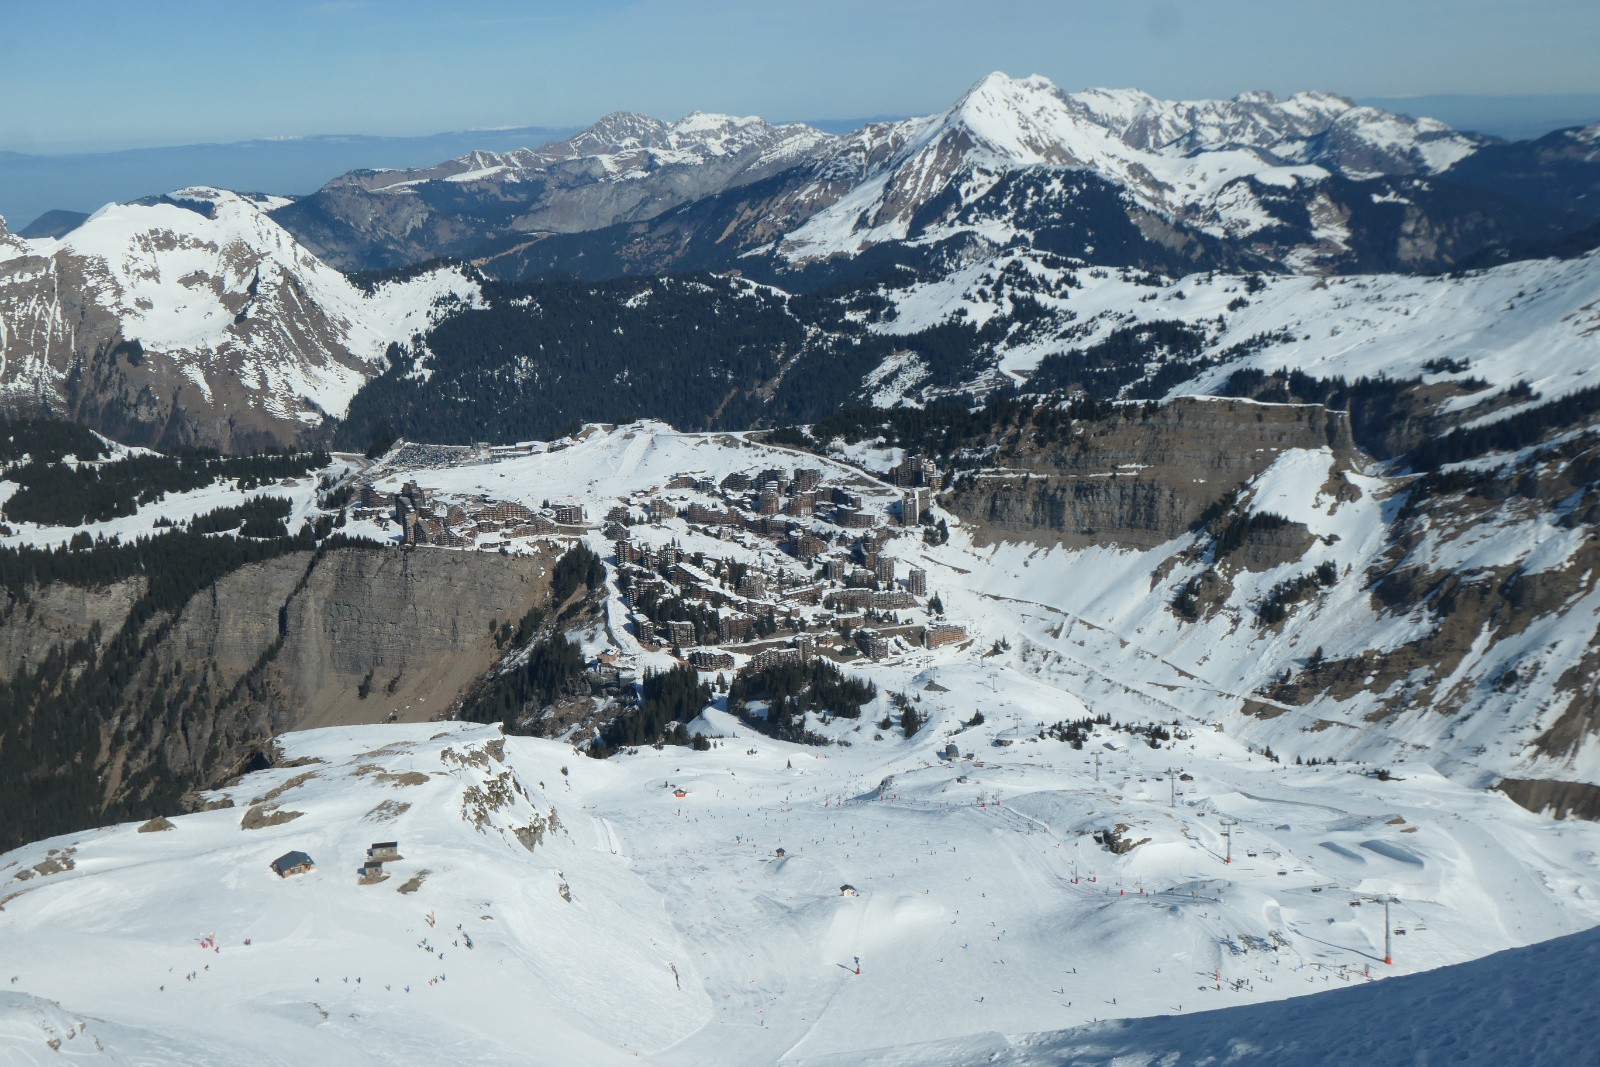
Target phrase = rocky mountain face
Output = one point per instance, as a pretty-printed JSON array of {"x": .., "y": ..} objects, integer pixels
[
  {"x": 624, "y": 167},
  {"x": 195, "y": 319},
  {"x": 297, "y": 641},
  {"x": 1138, "y": 478},
  {"x": 11, "y": 243},
  {"x": 1249, "y": 557}
]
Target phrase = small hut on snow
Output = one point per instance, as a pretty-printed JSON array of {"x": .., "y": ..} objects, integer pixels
[{"x": 291, "y": 863}]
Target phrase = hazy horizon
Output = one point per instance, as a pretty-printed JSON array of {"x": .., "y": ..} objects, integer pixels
[{"x": 177, "y": 72}]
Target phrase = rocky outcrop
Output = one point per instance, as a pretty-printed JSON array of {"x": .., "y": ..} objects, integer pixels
[
  {"x": 1560, "y": 800},
  {"x": 344, "y": 636},
  {"x": 412, "y": 626},
  {"x": 1140, "y": 476},
  {"x": 57, "y": 616}
]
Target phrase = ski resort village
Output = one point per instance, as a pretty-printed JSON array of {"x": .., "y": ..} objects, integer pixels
[
  {"x": 1045, "y": 575},
  {"x": 764, "y": 564},
  {"x": 894, "y": 773}
]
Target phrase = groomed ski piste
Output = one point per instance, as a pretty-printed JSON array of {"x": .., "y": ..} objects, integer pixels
[{"x": 988, "y": 918}]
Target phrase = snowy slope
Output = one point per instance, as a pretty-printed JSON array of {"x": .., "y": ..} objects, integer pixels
[
  {"x": 228, "y": 311},
  {"x": 989, "y": 919},
  {"x": 1519, "y": 1006},
  {"x": 593, "y": 972},
  {"x": 1182, "y": 159},
  {"x": 687, "y": 941},
  {"x": 1534, "y": 321}
]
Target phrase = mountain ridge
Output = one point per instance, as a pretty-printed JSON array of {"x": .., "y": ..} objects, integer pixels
[
  {"x": 195, "y": 318},
  {"x": 841, "y": 194}
]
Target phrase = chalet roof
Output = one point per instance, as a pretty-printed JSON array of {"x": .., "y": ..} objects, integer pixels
[{"x": 290, "y": 860}]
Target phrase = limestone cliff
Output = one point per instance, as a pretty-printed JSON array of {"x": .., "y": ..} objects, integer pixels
[
  {"x": 1140, "y": 477},
  {"x": 60, "y": 615},
  {"x": 311, "y": 638}
]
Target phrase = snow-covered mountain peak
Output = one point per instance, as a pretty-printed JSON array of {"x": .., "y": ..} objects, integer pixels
[
  {"x": 1029, "y": 122},
  {"x": 714, "y": 121},
  {"x": 1182, "y": 160},
  {"x": 625, "y": 146},
  {"x": 1024, "y": 121},
  {"x": 704, "y": 133},
  {"x": 219, "y": 303},
  {"x": 999, "y": 83},
  {"x": 1307, "y": 101},
  {"x": 618, "y": 131}
]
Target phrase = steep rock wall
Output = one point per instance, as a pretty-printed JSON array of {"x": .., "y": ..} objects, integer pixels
[
  {"x": 57, "y": 616},
  {"x": 1140, "y": 478},
  {"x": 341, "y": 637}
]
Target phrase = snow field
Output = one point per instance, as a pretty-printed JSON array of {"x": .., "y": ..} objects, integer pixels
[
  {"x": 688, "y": 941},
  {"x": 1530, "y": 321},
  {"x": 586, "y": 971},
  {"x": 989, "y": 921}
]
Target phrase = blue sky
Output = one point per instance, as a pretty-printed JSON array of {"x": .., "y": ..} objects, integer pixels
[{"x": 89, "y": 74}]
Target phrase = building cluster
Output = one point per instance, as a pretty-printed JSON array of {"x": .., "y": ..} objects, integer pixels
[
  {"x": 826, "y": 573},
  {"x": 814, "y": 571},
  {"x": 479, "y": 522}
]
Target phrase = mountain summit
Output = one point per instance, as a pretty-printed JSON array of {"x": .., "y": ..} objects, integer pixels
[{"x": 808, "y": 195}]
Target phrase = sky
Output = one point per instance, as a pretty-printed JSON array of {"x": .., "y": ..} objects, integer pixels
[{"x": 92, "y": 75}]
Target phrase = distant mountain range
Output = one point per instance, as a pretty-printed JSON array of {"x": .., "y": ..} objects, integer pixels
[
  {"x": 901, "y": 262},
  {"x": 33, "y": 184},
  {"x": 1314, "y": 181},
  {"x": 41, "y": 192}
]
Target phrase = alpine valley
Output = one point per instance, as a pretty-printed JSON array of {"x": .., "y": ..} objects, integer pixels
[{"x": 1075, "y": 578}]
